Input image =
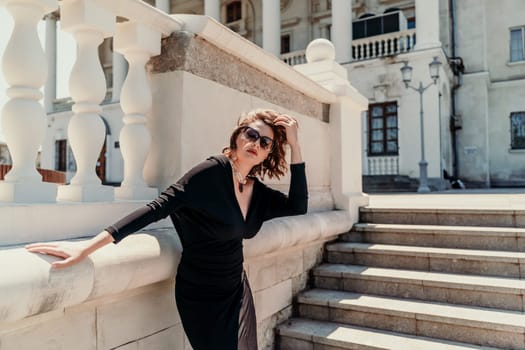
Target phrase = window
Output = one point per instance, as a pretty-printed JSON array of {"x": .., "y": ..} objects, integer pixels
[
  {"x": 61, "y": 155},
  {"x": 517, "y": 130},
  {"x": 517, "y": 47},
  {"x": 233, "y": 12},
  {"x": 382, "y": 129},
  {"x": 411, "y": 22},
  {"x": 369, "y": 25},
  {"x": 285, "y": 43}
]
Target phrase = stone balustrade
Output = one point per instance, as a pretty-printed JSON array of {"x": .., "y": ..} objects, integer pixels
[
  {"x": 383, "y": 165},
  {"x": 189, "y": 79},
  {"x": 295, "y": 57},
  {"x": 23, "y": 117},
  {"x": 367, "y": 48},
  {"x": 384, "y": 45}
]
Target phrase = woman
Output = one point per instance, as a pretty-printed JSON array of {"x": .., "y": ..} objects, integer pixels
[{"x": 214, "y": 207}]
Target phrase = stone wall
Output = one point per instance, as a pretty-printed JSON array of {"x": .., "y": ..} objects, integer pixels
[{"x": 122, "y": 296}]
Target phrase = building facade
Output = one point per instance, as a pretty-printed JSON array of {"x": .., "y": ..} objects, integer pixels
[{"x": 473, "y": 114}]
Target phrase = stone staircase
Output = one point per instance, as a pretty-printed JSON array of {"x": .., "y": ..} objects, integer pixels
[{"x": 409, "y": 279}]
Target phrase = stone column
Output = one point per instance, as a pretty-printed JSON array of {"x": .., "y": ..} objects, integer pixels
[
  {"x": 345, "y": 125},
  {"x": 341, "y": 35},
  {"x": 23, "y": 118},
  {"x": 272, "y": 26},
  {"x": 163, "y": 5},
  {"x": 212, "y": 8},
  {"x": 137, "y": 43},
  {"x": 50, "y": 88},
  {"x": 89, "y": 24},
  {"x": 427, "y": 24}
]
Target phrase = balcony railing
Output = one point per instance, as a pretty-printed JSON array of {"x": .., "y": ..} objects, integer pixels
[
  {"x": 384, "y": 45},
  {"x": 387, "y": 165},
  {"x": 368, "y": 48},
  {"x": 295, "y": 57}
]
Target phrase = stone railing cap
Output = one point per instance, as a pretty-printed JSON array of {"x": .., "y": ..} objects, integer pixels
[
  {"x": 141, "y": 12},
  {"x": 227, "y": 40}
]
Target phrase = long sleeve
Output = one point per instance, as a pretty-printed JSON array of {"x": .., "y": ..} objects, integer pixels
[
  {"x": 171, "y": 199},
  {"x": 296, "y": 203},
  {"x": 188, "y": 191}
]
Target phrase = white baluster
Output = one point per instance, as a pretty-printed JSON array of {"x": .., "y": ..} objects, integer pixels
[
  {"x": 50, "y": 89},
  {"x": 23, "y": 117},
  {"x": 90, "y": 24},
  {"x": 137, "y": 43}
]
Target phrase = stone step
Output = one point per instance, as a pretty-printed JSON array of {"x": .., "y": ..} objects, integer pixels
[
  {"x": 305, "y": 334},
  {"x": 485, "y": 327},
  {"x": 468, "y": 237},
  {"x": 431, "y": 216},
  {"x": 489, "y": 292},
  {"x": 467, "y": 261}
]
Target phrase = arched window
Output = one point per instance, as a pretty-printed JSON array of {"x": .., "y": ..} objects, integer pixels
[{"x": 233, "y": 11}]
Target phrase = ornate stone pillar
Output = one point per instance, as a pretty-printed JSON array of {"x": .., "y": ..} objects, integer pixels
[
  {"x": 345, "y": 125},
  {"x": 89, "y": 24},
  {"x": 427, "y": 24},
  {"x": 119, "y": 74},
  {"x": 137, "y": 43},
  {"x": 163, "y": 5},
  {"x": 272, "y": 26},
  {"x": 342, "y": 30},
  {"x": 212, "y": 8},
  {"x": 23, "y": 118},
  {"x": 50, "y": 88}
]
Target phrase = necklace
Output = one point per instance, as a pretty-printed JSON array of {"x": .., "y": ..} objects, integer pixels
[{"x": 241, "y": 180}]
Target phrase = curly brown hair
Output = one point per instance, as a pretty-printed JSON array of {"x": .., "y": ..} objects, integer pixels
[{"x": 275, "y": 164}]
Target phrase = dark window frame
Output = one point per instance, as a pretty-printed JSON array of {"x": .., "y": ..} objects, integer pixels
[
  {"x": 384, "y": 129},
  {"x": 517, "y": 141},
  {"x": 61, "y": 155},
  {"x": 286, "y": 43},
  {"x": 234, "y": 11}
]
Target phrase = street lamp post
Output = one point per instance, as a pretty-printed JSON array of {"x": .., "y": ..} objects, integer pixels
[{"x": 406, "y": 72}]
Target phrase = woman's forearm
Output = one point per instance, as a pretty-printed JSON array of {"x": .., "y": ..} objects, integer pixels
[
  {"x": 100, "y": 240},
  {"x": 295, "y": 153}
]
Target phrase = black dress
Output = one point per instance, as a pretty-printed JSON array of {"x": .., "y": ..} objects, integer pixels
[{"x": 212, "y": 293}]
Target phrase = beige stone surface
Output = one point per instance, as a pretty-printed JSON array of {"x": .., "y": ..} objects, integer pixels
[
  {"x": 312, "y": 256},
  {"x": 129, "y": 346},
  {"x": 266, "y": 328},
  {"x": 179, "y": 49},
  {"x": 262, "y": 273},
  {"x": 145, "y": 314},
  {"x": 167, "y": 339},
  {"x": 59, "y": 331},
  {"x": 273, "y": 299}
]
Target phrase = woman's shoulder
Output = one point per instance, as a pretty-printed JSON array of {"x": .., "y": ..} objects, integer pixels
[{"x": 208, "y": 168}]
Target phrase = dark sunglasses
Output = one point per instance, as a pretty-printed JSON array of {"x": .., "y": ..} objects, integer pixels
[{"x": 253, "y": 135}]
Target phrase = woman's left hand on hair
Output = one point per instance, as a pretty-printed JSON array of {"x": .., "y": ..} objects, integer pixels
[{"x": 291, "y": 125}]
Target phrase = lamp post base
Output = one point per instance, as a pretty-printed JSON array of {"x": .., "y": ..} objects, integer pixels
[{"x": 423, "y": 178}]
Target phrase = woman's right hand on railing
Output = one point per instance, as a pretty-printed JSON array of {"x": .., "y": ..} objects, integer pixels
[{"x": 70, "y": 252}]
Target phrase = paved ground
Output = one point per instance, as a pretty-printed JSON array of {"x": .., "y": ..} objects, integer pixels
[{"x": 501, "y": 198}]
